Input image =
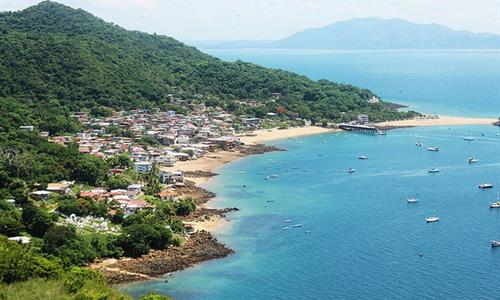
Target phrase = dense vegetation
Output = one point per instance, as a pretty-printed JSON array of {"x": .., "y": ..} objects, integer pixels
[{"x": 54, "y": 60}]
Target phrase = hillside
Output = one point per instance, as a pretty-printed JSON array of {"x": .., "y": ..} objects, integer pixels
[
  {"x": 55, "y": 59},
  {"x": 378, "y": 34}
]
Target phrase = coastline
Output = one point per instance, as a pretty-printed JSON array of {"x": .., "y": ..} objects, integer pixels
[{"x": 208, "y": 222}]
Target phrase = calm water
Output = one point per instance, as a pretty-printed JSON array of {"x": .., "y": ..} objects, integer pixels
[
  {"x": 365, "y": 241},
  {"x": 462, "y": 83}
]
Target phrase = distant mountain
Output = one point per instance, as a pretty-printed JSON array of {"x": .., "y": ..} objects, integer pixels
[
  {"x": 55, "y": 59},
  {"x": 376, "y": 33}
]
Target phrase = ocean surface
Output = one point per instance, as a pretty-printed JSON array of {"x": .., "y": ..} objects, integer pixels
[
  {"x": 359, "y": 238},
  {"x": 448, "y": 82}
]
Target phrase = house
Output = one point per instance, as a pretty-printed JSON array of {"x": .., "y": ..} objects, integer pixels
[
  {"x": 167, "y": 160},
  {"x": 170, "y": 114},
  {"x": 251, "y": 121},
  {"x": 62, "y": 187},
  {"x": 167, "y": 194},
  {"x": 171, "y": 177},
  {"x": 187, "y": 131},
  {"x": 143, "y": 167},
  {"x": 27, "y": 128},
  {"x": 20, "y": 239},
  {"x": 363, "y": 119},
  {"x": 136, "y": 205},
  {"x": 41, "y": 195},
  {"x": 134, "y": 187}
]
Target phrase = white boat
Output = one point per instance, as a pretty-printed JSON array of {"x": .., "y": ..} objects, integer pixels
[
  {"x": 495, "y": 204},
  {"x": 486, "y": 186},
  {"x": 297, "y": 225},
  {"x": 472, "y": 160},
  {"x": 285, "y": 228},
  {"x": 468, "y": 138},
  {"x": 274, "y": 176},
  {"x": 412, "y": 200},
  {"x": 419, "y": 144},
  {"x": 288, "y": 221},
  {"x": 431, "y": 219},
  {"x": 495, "y": 244},
  {"x": 350, "y": 170},
  {"x": 433, "y": 170},
  {"x": 433, "y": 149},
  {"x": 362, "y": 157}
]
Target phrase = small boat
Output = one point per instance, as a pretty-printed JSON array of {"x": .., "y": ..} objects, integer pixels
[
  {"x": 495, "y": 204},
  {"x": 288, "y": 221},
  {"x": 269, "y": 201},
  {"x": 468, "y": 138},
  {"x": 380, "y": 132},
  {"x": 273, "y": 176},
  {"x": 431, "y": 219},
  {"x": 297, "y": 225},
  {"x": 433, "y": 170},
  {"x": 486, "y": 186},
  {"x": 307, "y": 231},
  {"x": 433, "y": 149},
  {"x": 362, "y": 157},
  {"x": 495, "y": 244},
  {"x": 412, "y": 200},
  {"x": 350, "y": 170},
  {"x": 285, "y": 228},
  {"x": 419, "y": 144},
  {"x": 472, "y": 160}
]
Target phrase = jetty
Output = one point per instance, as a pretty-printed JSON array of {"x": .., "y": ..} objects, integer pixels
[{"x": 366, "y": 129}]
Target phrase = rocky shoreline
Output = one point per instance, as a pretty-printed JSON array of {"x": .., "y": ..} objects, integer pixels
[{"x": 200, "y": 246}]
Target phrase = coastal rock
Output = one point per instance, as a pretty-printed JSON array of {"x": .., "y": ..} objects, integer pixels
[
  {"x": 202, "y": 214},
  {"x": 200, "y": 246},
  {"x": 198, "y": 194},
  {"x": 199, "y": 174},
  {"x": 258, "y": 149}
]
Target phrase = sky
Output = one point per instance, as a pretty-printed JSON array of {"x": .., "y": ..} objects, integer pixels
[{"x": 190, "y": 20}]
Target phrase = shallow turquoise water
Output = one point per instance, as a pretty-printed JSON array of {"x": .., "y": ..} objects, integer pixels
[
  {"x": 364, "y": 240},
  {"x": 462, "y": 83}
]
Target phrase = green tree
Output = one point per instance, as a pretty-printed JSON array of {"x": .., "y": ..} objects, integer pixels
[
  {"x": 185, "y": 206},
  {"x": 64, "y": 243},
  {"x": 37, "y": 221}
]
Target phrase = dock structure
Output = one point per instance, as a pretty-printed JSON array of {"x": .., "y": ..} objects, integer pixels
[{"x": 362, "y": 129}]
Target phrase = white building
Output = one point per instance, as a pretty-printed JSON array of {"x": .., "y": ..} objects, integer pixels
[
  {"x": 363, "y": 119},
  {"x": 143, "y": 167}
]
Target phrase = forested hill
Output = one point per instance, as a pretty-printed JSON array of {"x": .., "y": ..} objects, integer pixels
[{"x": 55, "y": 59}]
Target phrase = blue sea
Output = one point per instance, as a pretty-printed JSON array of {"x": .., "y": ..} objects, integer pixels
[{"x": 359, "y": 238}]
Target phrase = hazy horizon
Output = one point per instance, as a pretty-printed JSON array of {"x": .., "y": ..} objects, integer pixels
[{"x": 226, "y": 20}]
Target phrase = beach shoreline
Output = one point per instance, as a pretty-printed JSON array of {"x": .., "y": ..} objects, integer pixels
[{"x": 209, "y": 222}]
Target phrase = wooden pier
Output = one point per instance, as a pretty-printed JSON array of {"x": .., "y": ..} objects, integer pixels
[{"x": 358, "y": 128}]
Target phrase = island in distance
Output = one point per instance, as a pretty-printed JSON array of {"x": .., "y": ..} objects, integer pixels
[{"x": 371, "y": 34}]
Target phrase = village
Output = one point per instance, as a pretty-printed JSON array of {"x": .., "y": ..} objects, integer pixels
[{"x": 151, "y": 140}]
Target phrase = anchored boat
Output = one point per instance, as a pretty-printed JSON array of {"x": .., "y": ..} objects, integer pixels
[
  {"x": 431, "y": 219},
  {"x": 486, "y": 186}
]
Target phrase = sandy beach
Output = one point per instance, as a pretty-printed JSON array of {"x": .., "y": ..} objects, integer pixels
[
  {"x": 441, "y": 121},
  {"x": 266, "y": 135}
]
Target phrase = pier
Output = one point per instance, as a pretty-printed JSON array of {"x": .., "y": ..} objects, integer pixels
[{"x": 362, "y": 129}]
